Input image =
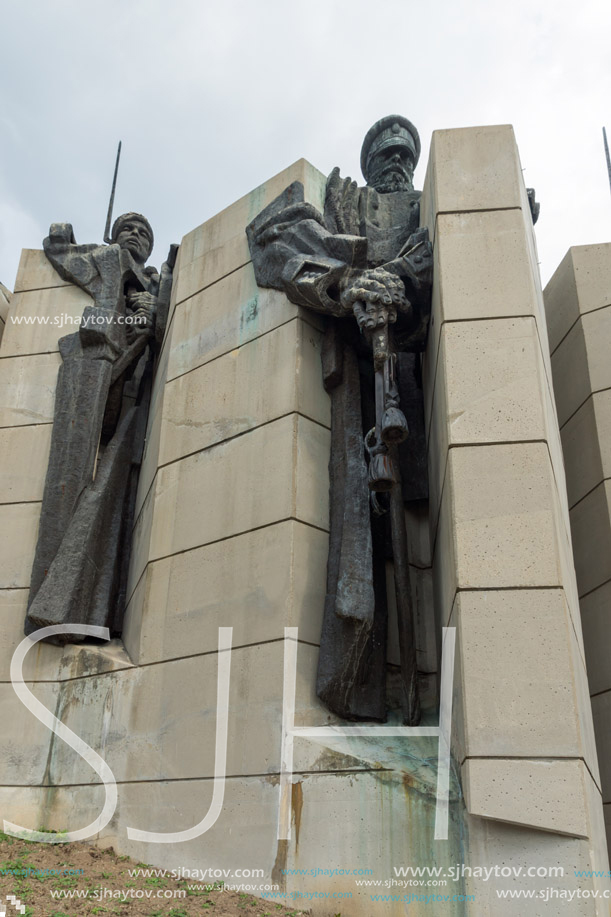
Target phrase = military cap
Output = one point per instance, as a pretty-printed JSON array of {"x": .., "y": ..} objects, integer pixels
[{"x": 393, "y": 130}]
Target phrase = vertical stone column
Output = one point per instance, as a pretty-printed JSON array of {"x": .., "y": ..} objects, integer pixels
[
  {"x": 502, "y": 561},
  {"x": 578, "y": 307}
]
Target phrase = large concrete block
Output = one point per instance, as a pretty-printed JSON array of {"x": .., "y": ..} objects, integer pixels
[
  {"x": 62, "y": 307},
  {"x": 24, "y": 454},
  {"x": 150, "y": 458},
  {"x": 498, "y": 521},
  {"x": 596, "y": 621},
  {"x": 484, "y": 265},
  {"x": 24, "y": 750},
  {"x": 275, "y": 472},
  {"x": 45, "y": 662},
  {"x": 591, "y": 530},
  {"x": 592, "y": 268},
  {"x": 513, "y": 851},
  {"x": 581, "y": 283},
  {"x": 224, "y": 317},
  {"x": 586, "y": 441},
  {"x": 258, "y": 583},
  {"x": 601, "y": 712},
  {"x": 18, "y": 534},
  {"x": 264, "y": 379},
  {"x": 518, "y": 681},
  {"x": 580, "y": 363},
  {"x": 219, "y": 245},
  {"x": 561, "y": 301},
  {"x": 548, "y": 795},
  {"x": 489, "y": 388},
  {"x": 475, "y": 168},
  {"x": 35, "y": 272},
  {"x": 27, "y": 389},
  {"x": 158, "y": 722}
]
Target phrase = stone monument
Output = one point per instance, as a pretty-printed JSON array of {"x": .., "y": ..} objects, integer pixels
[
  {"x": 82, "y": 554},
  {"x": 366, "y": 256}
]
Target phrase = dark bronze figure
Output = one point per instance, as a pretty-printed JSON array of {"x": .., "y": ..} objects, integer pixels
[
  {"x": 80, "y": 568},
  {"x": 366, "y": 257}
]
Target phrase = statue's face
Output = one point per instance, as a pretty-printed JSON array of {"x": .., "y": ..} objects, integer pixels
[
  {"x": 136, "y": 239},
  {"x": 391, "y": 169}
]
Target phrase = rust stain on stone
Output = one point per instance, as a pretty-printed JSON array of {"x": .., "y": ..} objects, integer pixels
[
  {"x": 297, "y": 806},
  {"x": 278, "y": 874}
]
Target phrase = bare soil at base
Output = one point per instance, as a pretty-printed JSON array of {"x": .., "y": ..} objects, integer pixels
[{"x": 45, "y": 879}]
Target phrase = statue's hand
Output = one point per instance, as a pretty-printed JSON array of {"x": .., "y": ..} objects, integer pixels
[
  {"x": 143, "y": 306},
  {"x": 374, "y": 296}
]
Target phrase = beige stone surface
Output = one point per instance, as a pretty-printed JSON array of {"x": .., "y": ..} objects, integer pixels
[
  {"x": 571, "y": 376},
  {"x": 258, "y": 583},
  {"x": 601, "y": 712},
  {"x": 517, "y": 689},
  {"x": 592, "y": 275},
  {"x": 583, "y": 449},
  {"x": 489, "y": 388},
  {"x": 271, "y": 473},
  {"x": 27, "y": 389},
  {"x": 484, "y": 264},
  {"x": 516, "y": 849},
  {"x": 475, "y": 168},
  {"x": 225, "y": 316},
  {"x": 219, "y": 245},
  {"x": 141, "y": 540},
  {"x": 35, "y": 272},
  {"x": 591, "y": 529},
  {"x": 597, "y": 332},
  {"x": 561, "y": 301},
  {"x": 264, "y": 379},
  {"x": 580, "y": 363},
  {"x": 63, "y": 306},
  {"x": 150, "y": 456},
  {"x": 159, "y": 721},
  {"x": 581, "y": 284},
  {"x": 548, "y": 795},
  {"x": 45, "y": 662},
  {"x": 18, "y": 533},
  {"x": 498, "y": 522},
  {"x": 24, "y": 749},
  {"x": 24, "y": 453},
  {"x": 596, "y": 621}
]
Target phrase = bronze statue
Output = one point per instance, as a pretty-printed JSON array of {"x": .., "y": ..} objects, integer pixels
[
  {"x": 80, "y": 567},
  {"x": 366, "y": 257}
]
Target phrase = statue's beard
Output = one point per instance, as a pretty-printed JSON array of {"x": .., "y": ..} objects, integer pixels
[{"x": 392, "y": 179}]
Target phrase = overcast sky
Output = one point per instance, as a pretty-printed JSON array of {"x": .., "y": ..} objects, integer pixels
[{"x": 212, "y": 98}]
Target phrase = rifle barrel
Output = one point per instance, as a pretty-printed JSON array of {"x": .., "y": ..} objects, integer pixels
[{"x": 112, "y": 197}]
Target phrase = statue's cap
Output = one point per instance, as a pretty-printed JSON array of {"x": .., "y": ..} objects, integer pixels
[
  {"x": 127, "y": 218},
  {"x": 393, "y": 130}
]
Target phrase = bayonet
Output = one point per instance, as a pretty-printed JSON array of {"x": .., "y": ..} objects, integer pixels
[{"x": 111, "y": 203}]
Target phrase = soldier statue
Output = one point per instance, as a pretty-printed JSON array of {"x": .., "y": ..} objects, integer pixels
[
  {"x": 80, "y": 567},
  {"x": 365, "y": 258}
]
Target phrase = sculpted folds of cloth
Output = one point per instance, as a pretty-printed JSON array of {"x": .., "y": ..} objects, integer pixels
[
  {"x": 80, "y": 567},
  {"x": 364, "y": 258}
]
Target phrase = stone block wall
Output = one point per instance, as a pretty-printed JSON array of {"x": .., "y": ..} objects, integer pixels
[
  {"x": 502, "y": 560},
  {"x": 578, "y": 307}
]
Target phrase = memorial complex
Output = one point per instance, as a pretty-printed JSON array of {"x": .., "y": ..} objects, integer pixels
[{"x": 309, "y": 532}]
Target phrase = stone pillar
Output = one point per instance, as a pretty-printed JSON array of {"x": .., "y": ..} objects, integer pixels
[
  {"x": 578, "y": 307},
  {"x": 502, "y": 561}
]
